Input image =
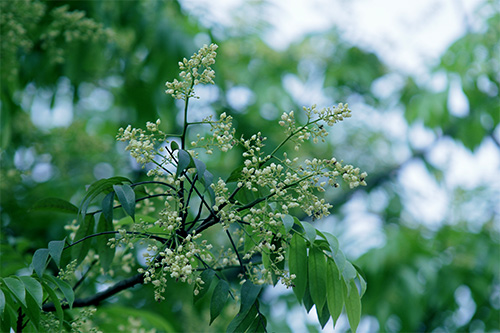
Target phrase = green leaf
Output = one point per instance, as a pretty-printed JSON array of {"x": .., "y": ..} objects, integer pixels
[
  {"x": 17, "y": 289},
  {"x": 219, "y": 299},
  {"x": 340, "y": 261},
  {"x": 307, "y": 300},
  {"x": 310, "y": 231},
  {"x": 98, "y": 187},
  {"x": 332, "y": 241},
  {"x": 9, "y": 319},
  {"x": 174, "y": 146},
  {"x": 352, "y": 305},
  {"x": 249, "y": 294},
  {"x": 80, "y": 250},
  {"x": 64, "y": 287},
  {"x": 243, "y": 320},
  {"x": 40, "y": 261},
  {"x": 55, "y": 250},
  {"x": 297, "y": 262},
  {"x": 33, "y": 310},
  {"x": 126, "y": 196},
  {"x": 57, "y": 304},
  {"x": 34, "y": 288},
  {"x": 2, "y": 301},
  {"x": 317, "y": 276},
  {"x": 349, "y": 272},
  {"x": 323, "y": 315},
  {"x": 259, "y": 324},
  {"x": 334, "y": 290},
  {"x": 235, "y": 175},
  {"x": 55, "y": 204},
  {"x": 207, "y": 277},
  {"x": 106, "y": 253},
  {"x": 107, "y": 206},
  {"x": 183, "y": 161},
  {"x": 287, "y": 222},
  {"x": 362, "y": 283},
  {"x": 200, "y": 168}
]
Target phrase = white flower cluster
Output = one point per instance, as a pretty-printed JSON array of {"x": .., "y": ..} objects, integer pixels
[
  {"x": 193, "y": 71},
  {"x": 142, "y": 144},
  {"x": 222, "y": 135}
]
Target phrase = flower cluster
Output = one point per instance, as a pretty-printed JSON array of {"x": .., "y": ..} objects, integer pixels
[
  {"x": 222, "y": 135},
  {"x": 193, "y": 71}
]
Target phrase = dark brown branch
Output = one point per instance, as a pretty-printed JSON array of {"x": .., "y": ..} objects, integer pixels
[{"x": 99, "y": 297}]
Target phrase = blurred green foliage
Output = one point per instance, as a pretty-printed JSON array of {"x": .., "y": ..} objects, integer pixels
[{"x": 105, "y": 63}]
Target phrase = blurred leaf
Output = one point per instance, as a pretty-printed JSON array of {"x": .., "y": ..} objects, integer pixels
[
  {"x": 17, "y": 289},
  {"x": 105, "y": 252},
  {"x": 219, "y": 299},
  {"x": 55, "y": 250},
  {"x": 55, "y": 204}
]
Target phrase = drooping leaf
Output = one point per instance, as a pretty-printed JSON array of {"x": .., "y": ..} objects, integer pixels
[
  {"x": 17, "y": 289},
  {"x": 33, "y": 311},
  {"x": 64, "y": 287},
  {"x": 184, "y": 159},
  {"x": 105, "y": 252},
  {"x": 86, "y": 228},
  {"x": 310, "y": 231},
  {"x": 249, "y": 294},
  {"x": 297, "y": 262},
  {"x": 219, "y": 299},
  {"x": 287, "y": 222},
  {"x": 200, "y": 168},
  {"x": 126, "y": 196},
  {"x": 243, "y": 320},
  {"x": 98, "y": 187},
  {"x": 259, "y": 324},
  {"x": 55, "y": 250},
  {"x": 352, "y": 305},
  {"x": 40, "y": 261},
  {"x": 57, "y": 303},
  {"x": 307, "y": 300},
  {"x": 362, "y": 283},
  {"x": 34, "y": 288},
  {"x": 107, "y": 206},
  {"x": 317, "y": 276},
  {"x": 55, "y": 204},
  {"x": 207, "y": 277},
  {"x": 334, "y": 290},
  {"x": 323, "y": 315},
  {"x": 349, "y": 272},
  {"x": 340, "y": 261},
  {"x": 332, "y": 241}
]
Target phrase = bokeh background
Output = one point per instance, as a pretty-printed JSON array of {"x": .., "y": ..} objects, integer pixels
[{"x": 422, "y": 79}]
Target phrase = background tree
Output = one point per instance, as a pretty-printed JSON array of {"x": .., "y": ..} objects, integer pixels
[{"x": 72, "y": 74}]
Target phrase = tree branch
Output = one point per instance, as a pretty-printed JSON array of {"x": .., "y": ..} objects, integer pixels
[{"x": 99, "y": 297}]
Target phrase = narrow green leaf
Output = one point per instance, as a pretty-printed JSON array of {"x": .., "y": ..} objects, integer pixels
[
  {"x": 340, "y": 261},
  {"x": 9, "y": 319},
  {"x": 183, "y": 161},
  {"x": 352, "y": 305},
  {"x": 323, "y": 315},
  {"x": 249, "y": 294},
  {"x": 307, "y": 300},
  {"x": 107, "y": 206},
  {"x": 98, "y": 187},
  {"x": 17, "y": 289},
  {"x": 55, "y": 250},
  {"x": 174, "y": 146},
  {"x": 33, "y": 310},
  {"x": 332, "y": 241},
  {"x": 57, "y": 304},
  {"x": 126, "y": 196},
  {"x": 207, "y": 277},
  {"x": 243, "y": 320},
  {"x": 200, "y": 168},
  {"x": 219, "y": 299},
  {"x": 317, "y": 276},
  {"x": 259, "y": 324},
  {"x": 2, "y": 301},
  {"x": 310, "y": 231},
  {"x": 86, "y": 228},
  {"x": 66, "y": 289},
  {"x": 362, "y": 283},
  {"x": 34, "y": 288},
  {"x": 287, "y": 222},
  {"x": 334, "y": 290},
  {"x": 40, "y": 261},
  {"x": 105, "y": 252},
  {"x": 209, "y": 179},
  {"x": 297, "y": 262},
  {"x": 55, "y": 204},
  {"x": 349, "y": 272}
]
